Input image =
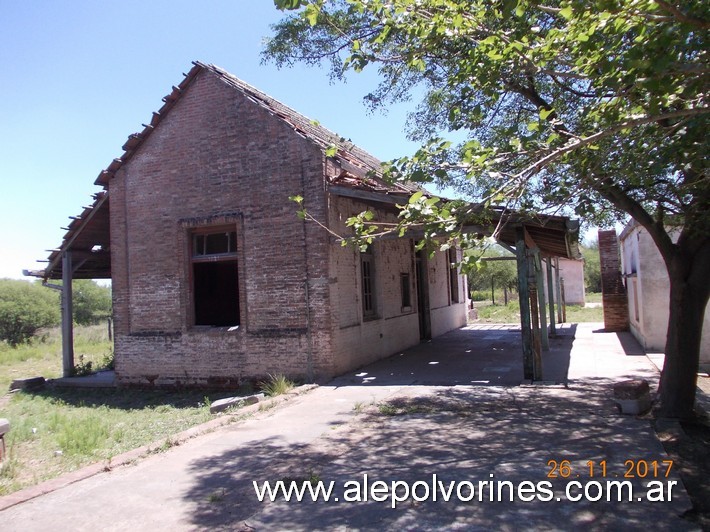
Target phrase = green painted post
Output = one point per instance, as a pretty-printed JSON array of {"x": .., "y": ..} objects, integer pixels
[
  {"x": 545, "y": 341},
  {"x": 524, "y": 298}
]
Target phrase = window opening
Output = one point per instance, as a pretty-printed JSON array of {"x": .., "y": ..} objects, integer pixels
[
  {"x": 215, "y": 277},
  {"x": 406, "y": 291},
  {"x": 367, "y": 263},
  {"x": 453, "y": 276}
]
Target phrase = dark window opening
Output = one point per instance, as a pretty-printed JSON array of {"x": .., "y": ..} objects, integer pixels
[
  {"x": 406, "y": 291},
  {"x": 453, "y": 276},
  {"x": 215, "y": 278},
  {"x": 368, "y": 284}
]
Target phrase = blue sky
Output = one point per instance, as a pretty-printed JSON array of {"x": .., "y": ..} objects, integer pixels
[{"x": 79, "y": 77}]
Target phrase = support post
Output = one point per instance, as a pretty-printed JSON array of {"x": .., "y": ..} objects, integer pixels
[
  {"x": 551, "y": 297},
  {"x": 541, "y": 302},
  {"x": 559, "y": 290},
  {"x": 67, "y": 316},
  {"x": 524, "y": 298},
  {"x": 537, "y": 334}
]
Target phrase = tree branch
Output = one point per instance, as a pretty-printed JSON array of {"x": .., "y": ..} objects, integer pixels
[{"x": 679, "y": 15}]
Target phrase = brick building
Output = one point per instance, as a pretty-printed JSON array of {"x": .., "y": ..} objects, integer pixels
[{"x": 215, "y": 279}]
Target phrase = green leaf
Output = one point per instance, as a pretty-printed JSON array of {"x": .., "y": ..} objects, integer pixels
[
  {"x": 415, "y": 197},
  {"x": 311, "y": 14},
  {"x": 566, "y": 12},
  {"x": 544, "y": 113},
  {"x": 331, "y": 151},
  {"x": 287, "y": 4}
]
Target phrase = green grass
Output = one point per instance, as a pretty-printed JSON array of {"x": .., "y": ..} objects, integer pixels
[
  {"x": 593, "y": 297},
  {"x": 57, "y": 430},
  {"x": 43, "y": 355},
  {"x": 510, "y": 313}
]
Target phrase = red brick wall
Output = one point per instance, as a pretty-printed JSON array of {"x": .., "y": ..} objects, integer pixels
[
  {"x": 217, "y": 157},
  {"x": 616, "y": 311}
]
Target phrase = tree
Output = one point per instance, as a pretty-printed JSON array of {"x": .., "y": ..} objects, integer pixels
[
  {"x": 493, "y": 274},
  {"x": 592, "y": 267},
  {"x": 91, "y": 303},
  {"x": 25, "y": 308},
  {"x": 593, "y": 106}
]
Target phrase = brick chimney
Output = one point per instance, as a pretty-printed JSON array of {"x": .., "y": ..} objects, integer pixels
[{"x": 616, "y": 306}]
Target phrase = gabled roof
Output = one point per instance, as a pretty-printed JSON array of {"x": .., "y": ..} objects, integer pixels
[
  {"x": 349, "y": 170},
  {"x": 355, "y": 163},
  {"x": 88, "y": 234}
]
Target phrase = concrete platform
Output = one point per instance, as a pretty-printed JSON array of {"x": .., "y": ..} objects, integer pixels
[
  {"x": 101, "y": 379},
  {"x": 451, "y": 407}
]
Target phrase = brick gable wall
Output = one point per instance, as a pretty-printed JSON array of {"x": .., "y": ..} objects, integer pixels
[{"x": 219, "y": 158}]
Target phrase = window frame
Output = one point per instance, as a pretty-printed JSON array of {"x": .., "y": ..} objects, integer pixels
[
  {"x": 368, "y": 284},
  {"x": 195, "y": 258},
  {"x": 405, "y": 287},
  {"x": 454, "y": 288}
]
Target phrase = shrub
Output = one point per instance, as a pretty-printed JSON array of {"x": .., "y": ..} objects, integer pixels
[
  {"x": 25, "y": 308},
  {"x": 276, "y": 385},
  {"x": 480, "y": 295}
]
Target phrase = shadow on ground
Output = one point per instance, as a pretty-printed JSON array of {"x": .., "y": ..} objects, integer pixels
[
  {"x": 478, "y": 355},
  {"x": 462, "y": 433},
  {"x": 125, "y": 399}
]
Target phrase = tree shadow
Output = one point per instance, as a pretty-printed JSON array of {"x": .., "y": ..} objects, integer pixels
[
  {"x": 459, "y": 434},
  {"x": 127, "y": 398},
  {"x": 471, "y": 356}
]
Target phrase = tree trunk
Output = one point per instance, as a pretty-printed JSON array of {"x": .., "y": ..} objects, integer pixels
[{"x": 688, "y": 300}]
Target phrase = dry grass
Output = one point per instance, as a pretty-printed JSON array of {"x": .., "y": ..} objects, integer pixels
[{"x": 55, "y": 430}]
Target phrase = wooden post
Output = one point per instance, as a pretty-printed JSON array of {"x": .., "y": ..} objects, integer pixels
[
  {"x": 540, "y": 303},
  {"x": 67, "y": 316},
  {"x": 523, "y": 297},
  {"x": 537, "y": 334},
  {"x": 559, "y": 290},
  {"x": 551, "y": 296}
]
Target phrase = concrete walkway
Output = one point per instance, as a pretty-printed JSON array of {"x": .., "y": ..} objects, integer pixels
[{"x": 453, "y": 407}]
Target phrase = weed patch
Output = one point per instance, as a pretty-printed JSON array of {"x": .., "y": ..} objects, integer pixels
[{"x": 276, "y": 385}]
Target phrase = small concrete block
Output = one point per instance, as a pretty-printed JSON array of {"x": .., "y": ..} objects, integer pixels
[
  {"x": 632, "y": 389},
  {"x": 4, "y": 426},
  {"x": 220, "y": 405},
  {"x": 634, "y": 407},
  {"x": 35, "y": 383}
]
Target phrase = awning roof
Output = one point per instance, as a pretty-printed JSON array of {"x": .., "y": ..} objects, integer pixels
[
  {"x": 88, "y": 238},
  {"x": 555, "y": 236}
]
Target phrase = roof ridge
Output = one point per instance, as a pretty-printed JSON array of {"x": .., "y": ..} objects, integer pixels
[{"x": 346, "y": 150}]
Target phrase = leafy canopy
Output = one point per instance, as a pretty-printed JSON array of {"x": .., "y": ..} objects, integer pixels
[{"x": 597, "y": 107}]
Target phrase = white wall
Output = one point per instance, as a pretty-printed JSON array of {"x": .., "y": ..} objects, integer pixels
[
  {"x": 572, "y": 271},
  {"x": 648, "y": 292}
]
